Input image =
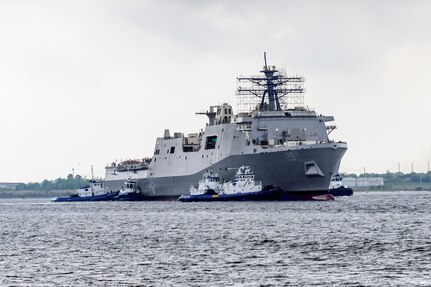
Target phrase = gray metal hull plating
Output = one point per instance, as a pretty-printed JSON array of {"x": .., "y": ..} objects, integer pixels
[{"x": 284, "y": 168}]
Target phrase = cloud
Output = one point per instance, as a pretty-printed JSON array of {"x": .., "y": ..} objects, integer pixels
[{"x": 88, "y": 82}]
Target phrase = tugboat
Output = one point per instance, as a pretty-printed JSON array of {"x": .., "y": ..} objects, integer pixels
[
  {"x": 337, "y": 188},
  {"x": 131, "y": 192},
  {"x": 92, "y": 192},
  {"x": 242, "y": 188}
]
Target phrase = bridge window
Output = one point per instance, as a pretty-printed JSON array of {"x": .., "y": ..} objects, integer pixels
[
  {"x": 172, "y": 149},
  {"x": 211, "y": 142}
]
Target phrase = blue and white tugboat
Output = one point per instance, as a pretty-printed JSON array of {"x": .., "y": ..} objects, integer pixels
[
  {"x": 92, "y": 192},
  {"x": 130, "y": 192},
  {"x": 243, "y": 187},
  {"x": 337, "y": 188}
]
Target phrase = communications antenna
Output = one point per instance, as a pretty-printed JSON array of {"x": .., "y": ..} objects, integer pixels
[{"x": 272, "y": 91}]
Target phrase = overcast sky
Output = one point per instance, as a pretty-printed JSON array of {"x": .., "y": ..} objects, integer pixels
[{"x": 87, "y": 82}]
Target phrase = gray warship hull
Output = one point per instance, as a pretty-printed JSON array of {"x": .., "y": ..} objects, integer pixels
[{"x": 286, "y": 169}]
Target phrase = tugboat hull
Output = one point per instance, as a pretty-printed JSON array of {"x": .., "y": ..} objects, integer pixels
[
  {"x": 75, "y": 198},
  {"x": 341, "y": 191},
  {"x": 131, "y": 197},
  {"x": 266, "y": 194}
]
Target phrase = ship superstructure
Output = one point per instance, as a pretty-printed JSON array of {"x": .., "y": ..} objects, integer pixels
[{"x": 286, "y": 144}]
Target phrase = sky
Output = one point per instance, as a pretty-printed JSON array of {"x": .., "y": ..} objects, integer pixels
[{"x": 84, "y": 83}]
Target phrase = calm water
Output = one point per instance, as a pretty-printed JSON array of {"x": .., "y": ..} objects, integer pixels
[{"x": 369, "y": 239}]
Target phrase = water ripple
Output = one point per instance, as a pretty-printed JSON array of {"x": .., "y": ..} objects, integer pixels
[{"x": 370, "y": 239}]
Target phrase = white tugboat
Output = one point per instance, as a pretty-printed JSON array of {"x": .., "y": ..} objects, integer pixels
[
  {"x": 92, "y": 192},
  {"x": 337, "y": 188},
  {"x": 243, "y": 187},
  {"x": 130, "y": 191}
]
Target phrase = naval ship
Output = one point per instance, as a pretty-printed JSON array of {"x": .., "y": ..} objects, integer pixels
[{"x": 286, "y": 144}]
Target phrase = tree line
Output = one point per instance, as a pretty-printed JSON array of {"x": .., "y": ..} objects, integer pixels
[
  {"x": 396, "y": 176},
  {"x": 70, "y": 182}
]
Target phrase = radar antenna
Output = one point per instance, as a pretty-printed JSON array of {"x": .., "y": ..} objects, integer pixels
[{"x": 270, "y": 89}]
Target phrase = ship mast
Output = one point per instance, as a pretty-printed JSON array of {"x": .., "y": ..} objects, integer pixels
[
  {"x": 270, "y": 88},
  {"x": 272, "y": 95}
]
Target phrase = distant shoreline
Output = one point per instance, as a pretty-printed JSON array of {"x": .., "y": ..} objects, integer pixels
[
  {"x": 397, "y": 186},
  {"x": 359, "y": 190},
  {"x": 35, "y": 193}
]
